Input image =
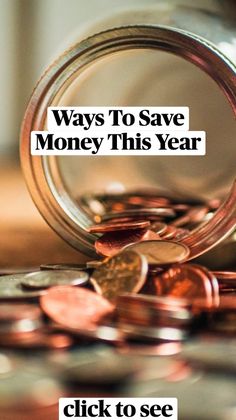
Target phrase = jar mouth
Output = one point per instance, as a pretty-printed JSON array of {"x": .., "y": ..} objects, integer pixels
[{"x": 42, "y": 173}]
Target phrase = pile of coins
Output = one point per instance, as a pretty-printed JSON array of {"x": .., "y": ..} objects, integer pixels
[{"x": 114, "y": 322}]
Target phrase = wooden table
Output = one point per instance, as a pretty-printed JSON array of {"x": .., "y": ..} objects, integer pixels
[{"x": 25, "y": 238}]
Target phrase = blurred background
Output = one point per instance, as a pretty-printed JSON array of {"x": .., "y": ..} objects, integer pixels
[{"x": 32, "y": 32}]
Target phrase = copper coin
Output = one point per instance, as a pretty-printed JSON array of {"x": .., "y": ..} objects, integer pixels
[
  {"x": 161, "y": 252},
  {"x": 181, "y": 233},
  {"x": 144, "y": 333},
  {"x": 159, "y": 227},
  {"x": 112, "y": 227},
  {"x": 75, "y": 307},
  {"x": 157, "y": 302},
  {"x": 227, "y": 302},
  {"x": 144, "y": 213},
  {"x": 125, "y": 272},
  {"x": 193, "y": 215},
  {"x": 112, "y": 243},
  {"x": 225, "y": 275},
  {"x": 169, "y": 233},
  {"x": 127, "y": 219},
  {"x": 148, "y": 201},
  {"x": 189, "y": 281},
  {"x": 153, "y": 311}
]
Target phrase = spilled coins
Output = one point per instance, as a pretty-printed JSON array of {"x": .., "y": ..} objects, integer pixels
[{"x": 140, "y": 320}]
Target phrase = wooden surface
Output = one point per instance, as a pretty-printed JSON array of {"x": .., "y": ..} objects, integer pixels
[{"x": 25, "y": 238}]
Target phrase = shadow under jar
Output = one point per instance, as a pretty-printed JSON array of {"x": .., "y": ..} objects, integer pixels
[{"x": 180, "y": 57}]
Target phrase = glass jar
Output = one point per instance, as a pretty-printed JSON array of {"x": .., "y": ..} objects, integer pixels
[{"x": 170, "y": 53}]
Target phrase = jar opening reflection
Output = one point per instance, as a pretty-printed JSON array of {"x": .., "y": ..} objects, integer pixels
[{"x": 153, "y": 78}]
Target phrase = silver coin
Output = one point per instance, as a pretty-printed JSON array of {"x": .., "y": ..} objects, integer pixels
[
  {"x": 93, "y": 264},
  {"x": 11, "y": 288},
  {"x": 44, "y": 279},
  {"x": 63, "y": 266}
]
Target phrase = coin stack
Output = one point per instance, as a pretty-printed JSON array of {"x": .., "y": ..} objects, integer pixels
[{"x": 111, "y": 325}]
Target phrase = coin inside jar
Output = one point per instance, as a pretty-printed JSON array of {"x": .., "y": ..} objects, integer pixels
[
  {"x": 161, "y": 252},
  {"x": 44, "y": 279},
  {"x": 116, "y": 226},
  {"x": 112, "y": 243},
  {"x": 151, "y": 214},
  {"x": 125, "y": 272}
]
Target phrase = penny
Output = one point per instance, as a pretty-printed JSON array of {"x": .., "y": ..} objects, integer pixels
[
  {"x": 159, "y": 227},
  {"x": 193, "y": 215},
  {"x": 161, "y": 252},
  {"x": 112, "y": 227},
  {"x": 138, "y": 309},
  {"x": 148, "y": 201},
  {"x": 125, "y": 219},
  {"x": 188, "y": 281},
  {"x": 147, "y": 213},
  {"x": 11, "y": 288},
  {"x": 44, "y": 279},
  {"x": 181, "y": 233},
  {"x": 169, "y": 233},
  {"x": 75, "y": 307},
  {"x": 125, "y": 272},
  {"x": 158, "y": 302},
  {"x": 152, "y": 334},
  {"x": 112, "y": 243},
  {"x": 225, "y": 275},
  {"x": 227, "y": 302}
]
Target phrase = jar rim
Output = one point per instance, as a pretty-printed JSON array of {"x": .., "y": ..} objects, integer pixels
[{"x": 41, "y": 171}]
